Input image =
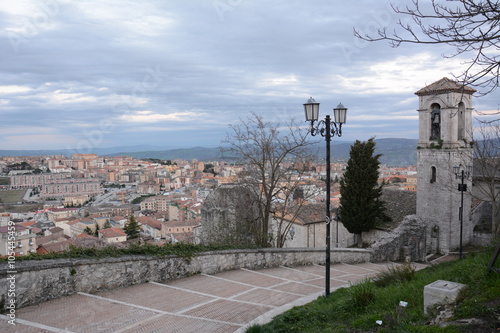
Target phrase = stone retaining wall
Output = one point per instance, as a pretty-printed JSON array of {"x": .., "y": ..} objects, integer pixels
[{"x": 37, "y": 281}]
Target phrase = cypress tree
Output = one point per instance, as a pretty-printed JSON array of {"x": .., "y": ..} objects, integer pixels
[
  {"x": 360, "y": 206},
  {"x": 88, "y": 231},
  {"x": 107, "y": 224},
  {"x": 132, "y": 228}
]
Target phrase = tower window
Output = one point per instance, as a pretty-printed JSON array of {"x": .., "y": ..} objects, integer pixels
[
  {"x": 461, "y": 121},
  {"x": 435, "y": 121},
  {"x": 433, "y": 174}
]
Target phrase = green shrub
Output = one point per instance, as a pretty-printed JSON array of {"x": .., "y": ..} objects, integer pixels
[
  {"x": 362, "y": 294},
  {"x": 395, "y": 274}
]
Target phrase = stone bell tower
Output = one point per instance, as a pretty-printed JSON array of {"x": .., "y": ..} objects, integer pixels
[{"x": 445, "y": 141}]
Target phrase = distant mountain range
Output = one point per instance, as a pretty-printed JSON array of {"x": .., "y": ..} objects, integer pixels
[
  {"x": 69, "y": 152},
  {"x": 395, "y": 152}
]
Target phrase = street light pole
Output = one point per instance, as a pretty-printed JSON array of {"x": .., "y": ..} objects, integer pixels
[
  {"x": 337, "y": 219},
  {"x": 328, "y": 216},
  {"x": 324, "y": 128},
  {"x": 462, "y": 187}
]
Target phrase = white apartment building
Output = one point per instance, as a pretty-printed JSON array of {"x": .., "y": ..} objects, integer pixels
[{"x": 16, "y": 238}]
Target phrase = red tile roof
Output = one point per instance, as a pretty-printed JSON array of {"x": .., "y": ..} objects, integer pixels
[{"x": 112, "y": 232}]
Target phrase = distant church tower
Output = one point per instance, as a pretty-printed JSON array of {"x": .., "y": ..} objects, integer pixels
[{"x": 445, "y": 140}]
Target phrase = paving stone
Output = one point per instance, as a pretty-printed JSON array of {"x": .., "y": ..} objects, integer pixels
[
  {"x": 209, "y": 285},
  {"x": 157, "y": 296},
  {"x": 298, "y": 288},
  {"x": 354, "y": 269},
  {"x": 250, "y": 277},
  {"x": 287, "y": 273},
  {"x": 176, "y": 324},
  {"x": 5, "y": 327},
  {"x": 334, "y": 283},
  {"x": 267, "y": 297},
  {"x": 230, "y": 311},
  {"x": 78, "y": 313},
  {"x": 351, "y": 278}
]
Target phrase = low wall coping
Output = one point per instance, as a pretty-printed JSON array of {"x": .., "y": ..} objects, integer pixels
[{"x": 30, "y": 265}]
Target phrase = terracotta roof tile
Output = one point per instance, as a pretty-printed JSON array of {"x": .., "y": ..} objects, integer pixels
[
  {"x": 444, "y": 85},
  {"x": 112, "y": 232}
]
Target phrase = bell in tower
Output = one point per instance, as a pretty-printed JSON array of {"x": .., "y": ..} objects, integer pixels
[{"x": 436, "y": 122}]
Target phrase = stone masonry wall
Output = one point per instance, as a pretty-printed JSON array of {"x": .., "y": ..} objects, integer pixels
[
  {"x": 405, "y": 243},
  {"x": 38, "y": 281}
]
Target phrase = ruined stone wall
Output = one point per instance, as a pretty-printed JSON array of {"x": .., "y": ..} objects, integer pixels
[
  {"x": 229, "y": 214},
  {"x": 37, "y": 281},
  {"x": 405, "y": 243}
]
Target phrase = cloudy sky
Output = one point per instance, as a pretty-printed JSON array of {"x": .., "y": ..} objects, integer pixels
[{"x": 175, "y": 73}]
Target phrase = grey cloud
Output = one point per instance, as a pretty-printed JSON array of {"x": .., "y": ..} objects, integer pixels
[{"x": 169, "y": 57}]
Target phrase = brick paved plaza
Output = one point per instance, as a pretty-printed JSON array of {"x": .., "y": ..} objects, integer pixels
[{"x": 225, "y": 302}]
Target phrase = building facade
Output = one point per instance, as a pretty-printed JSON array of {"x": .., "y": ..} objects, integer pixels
[
  {"x": 71, "y": 187},
  {"x": 31, "y": 180},
  {"x": 445, "y": 141}
]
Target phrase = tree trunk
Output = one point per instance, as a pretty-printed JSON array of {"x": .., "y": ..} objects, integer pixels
[{"x": 360, "y": 240}]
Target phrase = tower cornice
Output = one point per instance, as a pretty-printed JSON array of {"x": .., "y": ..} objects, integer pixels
[{"x": 445, "y": 85}]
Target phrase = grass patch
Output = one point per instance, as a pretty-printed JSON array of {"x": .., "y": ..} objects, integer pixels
[
  {"x": 140, "y": 199},
  {"x": 362, "y": 294},
  {"x": 358, "y": 308},
  {"x": 24, "y": 208},
  {"x": 395, "y": 274},
  {"x": 12, "y": 196}
]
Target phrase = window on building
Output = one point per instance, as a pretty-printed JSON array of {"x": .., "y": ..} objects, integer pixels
[
  {"x": 461, "y": 121},
  {"x": 433, "y": 174}
]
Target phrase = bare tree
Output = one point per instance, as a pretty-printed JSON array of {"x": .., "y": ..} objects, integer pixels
[
  {"x": 265, "y": 150},
  {"x": 469, "y": 26},
  {"x": 290, "y": 200},
  {"x": 487, "y": 170}
]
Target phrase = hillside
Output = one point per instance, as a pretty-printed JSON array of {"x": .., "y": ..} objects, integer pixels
[
  {"x": 395, "y": 152},
  {"x": 199, "y": 153}
]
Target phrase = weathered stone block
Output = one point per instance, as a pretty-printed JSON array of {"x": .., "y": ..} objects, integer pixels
[
  {"x": 441, "y": 292},
  {"x": 405, "y": 243}
]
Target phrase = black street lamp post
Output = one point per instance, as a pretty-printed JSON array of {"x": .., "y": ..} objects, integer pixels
[
  {"x": 462, "y": 187},
  {"x": 337, "y": 220},
  {"x": 325, "y": 129}
]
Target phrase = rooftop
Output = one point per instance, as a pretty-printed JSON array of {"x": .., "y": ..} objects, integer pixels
[
  {"x": 443, "y": 86},
  {"x": 112, "y": 232}
]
